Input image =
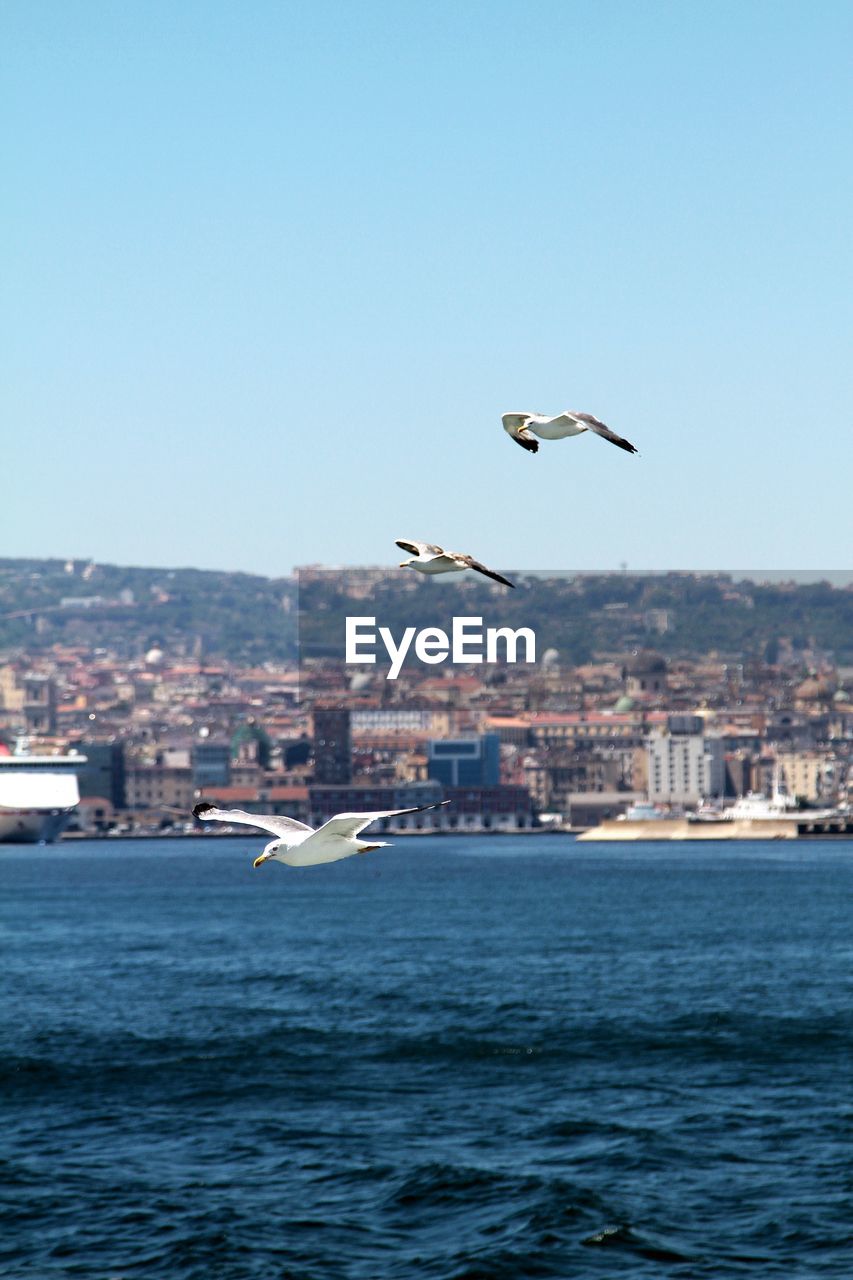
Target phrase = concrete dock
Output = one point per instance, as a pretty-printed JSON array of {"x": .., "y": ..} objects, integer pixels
[{"x": 733, "y": 829}]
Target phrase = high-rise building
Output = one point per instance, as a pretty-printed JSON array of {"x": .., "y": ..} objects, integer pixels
[
  {"x": 211, "y": 763},
  {"x": 680, "y": 768},
  {"x": 332, "y": 746},
  {"x": 103, "y": 775}
]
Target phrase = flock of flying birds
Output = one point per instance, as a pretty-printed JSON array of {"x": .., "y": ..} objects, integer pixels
[
  {"x": 299, "y": 845},
  {"x": 522, "y": 427}
]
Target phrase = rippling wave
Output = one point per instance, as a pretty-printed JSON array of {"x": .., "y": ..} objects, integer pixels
[{"x": 436, "y": 1064}]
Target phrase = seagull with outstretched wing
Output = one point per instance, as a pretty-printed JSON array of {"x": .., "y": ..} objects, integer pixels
[
  {"x": 428, "y": 558},
  {"x": 523, "y": 426},
  {"x": 301, "y": 846}
]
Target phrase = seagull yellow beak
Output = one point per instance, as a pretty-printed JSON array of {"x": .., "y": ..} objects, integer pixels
[{"x": 261, "y": 859}]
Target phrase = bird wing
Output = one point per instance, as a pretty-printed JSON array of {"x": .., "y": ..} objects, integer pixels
[
  {"x": 348, "y": 825},
  {"x": 601, "y": 430},
  {"x": 567, "y": 417},
  {"x": 514, "y": 424},
  {"x": 278, "y": 825},
  {"x": 481, "y": 568},
  {"x": 419, "y": 548}
]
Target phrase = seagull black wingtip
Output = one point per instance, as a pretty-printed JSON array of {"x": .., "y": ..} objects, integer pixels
[{"x": 202, "y": 808}]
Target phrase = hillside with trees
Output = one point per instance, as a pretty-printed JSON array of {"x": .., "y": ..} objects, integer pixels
[
  {"x": 239, "y": 616},
  {"x": 248, "y": 618},
  {"x": 583, "y": 616}
]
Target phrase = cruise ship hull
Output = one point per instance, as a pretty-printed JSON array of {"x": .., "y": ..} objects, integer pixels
[
  {"x": 38, "y": 794},
  {"x": 22, "y": 826}
]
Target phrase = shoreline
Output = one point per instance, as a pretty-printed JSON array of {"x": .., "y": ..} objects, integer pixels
[
  {"x": 677, "y": 831},
  {"x": 572, "y": 832}
]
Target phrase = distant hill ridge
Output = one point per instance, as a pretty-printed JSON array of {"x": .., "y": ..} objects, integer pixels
[{"x": 250, "y": 618}]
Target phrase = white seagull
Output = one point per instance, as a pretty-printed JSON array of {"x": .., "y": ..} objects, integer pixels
[
  {"x": 428, "y": 558},
  {"x": 302, "y": 846},
  {"x": 519, "y": 426}
]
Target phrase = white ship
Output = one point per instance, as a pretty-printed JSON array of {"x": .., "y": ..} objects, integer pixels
[
  {"x": 779, "y": 807},
  {"x": 38, "y": 795},
  {"x": 760, "y": 808},
  {"x": 647, "y": 811},
  {"x": 756, "y": 807}
]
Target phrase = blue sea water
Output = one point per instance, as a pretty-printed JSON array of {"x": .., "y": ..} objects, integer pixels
[{"x": 456, "y": 1058}]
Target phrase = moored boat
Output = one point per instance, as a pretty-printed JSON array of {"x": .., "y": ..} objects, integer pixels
[{"x": 38, "y": 794}]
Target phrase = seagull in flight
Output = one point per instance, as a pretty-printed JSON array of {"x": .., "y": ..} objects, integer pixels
[
  {"x": 428, "y": 558},
  {"x": 301, "y": 846},
  {"x": 520, "y": 425}
]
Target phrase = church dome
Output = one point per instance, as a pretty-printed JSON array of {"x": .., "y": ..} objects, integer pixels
[{"x": 252, "y": 735}]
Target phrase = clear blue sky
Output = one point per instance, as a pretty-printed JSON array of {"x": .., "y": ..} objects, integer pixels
[{"x": 273, "y": 271}]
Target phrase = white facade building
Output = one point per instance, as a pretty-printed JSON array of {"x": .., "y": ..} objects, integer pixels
[
  {"x": 393, "y": 720},
  {"x": 680, "y": 768}
]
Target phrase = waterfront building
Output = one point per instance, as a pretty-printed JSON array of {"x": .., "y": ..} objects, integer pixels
[
  {"x": 502, "y": 808},
  {"x": 326, "y": 801},
  {"x": 285, "y": 800},
  {"x": 679, "y": 769},
  {"x": 809, "y": 775},
  {"x": 465, "y": 762},
  {"x": 103, "y": 774},
  {"x": 589, "y": 808},
  {"x": 163, "y": 786}
]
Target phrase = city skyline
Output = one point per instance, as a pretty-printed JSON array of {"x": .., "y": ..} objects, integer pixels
[{"x": 585, "y": 736}]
